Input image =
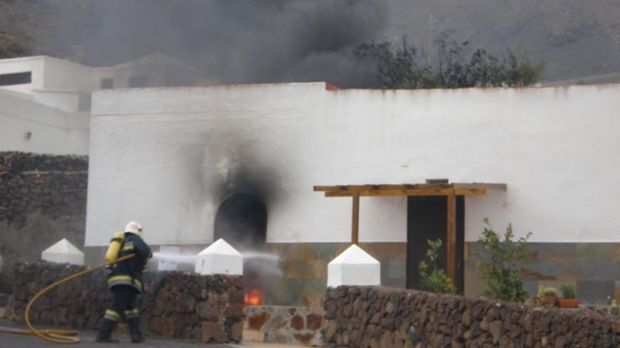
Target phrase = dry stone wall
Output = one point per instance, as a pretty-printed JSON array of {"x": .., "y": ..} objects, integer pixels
[
  {"x": 177, "y": 305},
  {"x": 388, "y": 317},
  {"x": 42, "y": 200},
  {"x": 52, "y": 185}
]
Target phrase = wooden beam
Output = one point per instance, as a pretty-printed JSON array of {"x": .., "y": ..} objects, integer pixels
[
  {"x": 356, "y": 219},
  {"x": 408, "y": 192},
  {"x": 389, "y": 192},
  {"x": 353, "y": 188},
  {"x": 480, "y": 191},
  {"x": 451, "y": 238},
  {"x": 488, "y": 186},
  {"x": 409, "y": 189},
  {"x": 328, "y": 188}
]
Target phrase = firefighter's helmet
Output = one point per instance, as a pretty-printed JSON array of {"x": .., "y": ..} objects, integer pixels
[{"x": 133, "y": 227}]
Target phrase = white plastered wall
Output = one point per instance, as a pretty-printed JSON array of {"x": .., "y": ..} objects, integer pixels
[
  {"x": 48, "y": 73},
  {"x": 31, "y": 127},
  {"x": 49, "y": 114},
  {"x": 165, "y": 156},
  {"x": 55, "y": 82},
  {"x": 62, "y": 75}
]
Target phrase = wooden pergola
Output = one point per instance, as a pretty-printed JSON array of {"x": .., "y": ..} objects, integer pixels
[{"x": 442, "y": 188}]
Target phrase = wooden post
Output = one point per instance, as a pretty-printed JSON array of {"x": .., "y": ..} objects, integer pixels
[
  {"x": 451, "y": 237},
  {"x": 356, "y": 218}
]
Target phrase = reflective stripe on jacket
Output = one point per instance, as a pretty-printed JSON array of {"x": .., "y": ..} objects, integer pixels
[
  {"x": 124, "y": 280},
  {"x": 129, "y": 272}
]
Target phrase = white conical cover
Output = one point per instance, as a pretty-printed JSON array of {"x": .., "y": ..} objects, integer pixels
[
  {"x": 219, "y": 258},
  {"x": 220, "y": 247},
  {"x": 353, "y": 266},
  {"x": 63, "y": 252}
]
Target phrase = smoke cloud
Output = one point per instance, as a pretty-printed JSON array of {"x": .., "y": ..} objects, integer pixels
[
  {"x": 251, "y": 41},
  {"x": 240, "y": 41}
]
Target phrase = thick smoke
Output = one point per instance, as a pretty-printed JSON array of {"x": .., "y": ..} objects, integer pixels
[
  {"x": 245, "y": 41},
  {"x": 240, "y": 41}
]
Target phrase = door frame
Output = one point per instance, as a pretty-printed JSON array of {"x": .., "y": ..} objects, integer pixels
[{"x": 440, "y": 213}]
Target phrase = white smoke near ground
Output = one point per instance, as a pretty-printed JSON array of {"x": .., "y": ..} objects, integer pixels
[
  {"x": 178, "y": 258},
  {"x": 263, "y": 263}
]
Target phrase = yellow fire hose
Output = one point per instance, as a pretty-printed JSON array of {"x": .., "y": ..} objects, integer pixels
[{"x": 52, "y": 335}]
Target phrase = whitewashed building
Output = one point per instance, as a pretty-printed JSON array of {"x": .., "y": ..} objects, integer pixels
[
  {"x": 240, "y": 163},
  {"x": 45, "y": 102}
]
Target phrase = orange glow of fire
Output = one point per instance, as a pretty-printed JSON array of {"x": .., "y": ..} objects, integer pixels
[{"x": 253, "y": 297}]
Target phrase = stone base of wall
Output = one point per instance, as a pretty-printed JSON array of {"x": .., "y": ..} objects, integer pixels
[
  {"x": 387, "y": 317},
  {"x": 591, "y": 267},
  {"x": 283, "y": 324},
  {"x": 176, "y": 305}
]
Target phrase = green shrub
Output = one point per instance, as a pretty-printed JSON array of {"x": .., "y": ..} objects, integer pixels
[
  {"x": 501, "y": 263},
  {"x": 432, "y": 277},
  {"x": 551, "y": 292}
]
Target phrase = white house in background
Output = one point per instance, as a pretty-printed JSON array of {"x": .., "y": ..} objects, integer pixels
[{"x": 45, "y": 101}]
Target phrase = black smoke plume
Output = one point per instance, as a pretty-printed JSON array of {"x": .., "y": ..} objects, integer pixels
[{"x": 239, "y": 41}]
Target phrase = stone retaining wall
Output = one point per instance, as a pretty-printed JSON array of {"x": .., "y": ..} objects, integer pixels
[
  {"x": 42, "y": 200},
  {"x": 52, "y": 185},
  {"x": 176, "y": 305},
  {"x": 388, "y": 317}
]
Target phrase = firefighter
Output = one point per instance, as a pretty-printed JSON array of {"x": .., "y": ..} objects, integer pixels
[{"x": 125, "y": 282}]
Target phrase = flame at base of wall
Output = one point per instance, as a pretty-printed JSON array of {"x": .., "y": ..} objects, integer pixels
[{"x": 253, "y": 297}]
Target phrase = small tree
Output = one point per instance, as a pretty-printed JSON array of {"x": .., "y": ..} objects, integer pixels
[
  {"x": 403, "y": 67},
  {"x": 398, "y": 68},
  {"x": 501, "y": 264},
  {"x": 432, "y": 277}
]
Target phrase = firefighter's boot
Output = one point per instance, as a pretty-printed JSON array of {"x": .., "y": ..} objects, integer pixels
[
  {"x": 104, "y": 334},
  {"x": 134, "y": 330}
]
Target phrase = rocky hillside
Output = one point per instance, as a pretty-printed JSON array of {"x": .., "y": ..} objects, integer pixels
[
  {"x": 13, "y": 41},
  {"x": 574, "y": 38},
  {"x": 51, "y": 27}
]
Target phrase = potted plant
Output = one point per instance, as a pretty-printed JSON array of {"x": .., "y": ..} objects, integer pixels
[{"x": 568, "y": 299}]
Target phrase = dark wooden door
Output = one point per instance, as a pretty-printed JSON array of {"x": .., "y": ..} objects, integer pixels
[{"x": 427, "y": 219}]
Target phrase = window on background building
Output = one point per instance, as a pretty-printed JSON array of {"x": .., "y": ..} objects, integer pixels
[
  {"x": 138, "y": 81},
  {"x": 16, "y": 78},
  {"x": 106, "y": 83}
]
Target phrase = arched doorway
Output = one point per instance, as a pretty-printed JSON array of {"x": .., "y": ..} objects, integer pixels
[{"x": 242, "y": 221}]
